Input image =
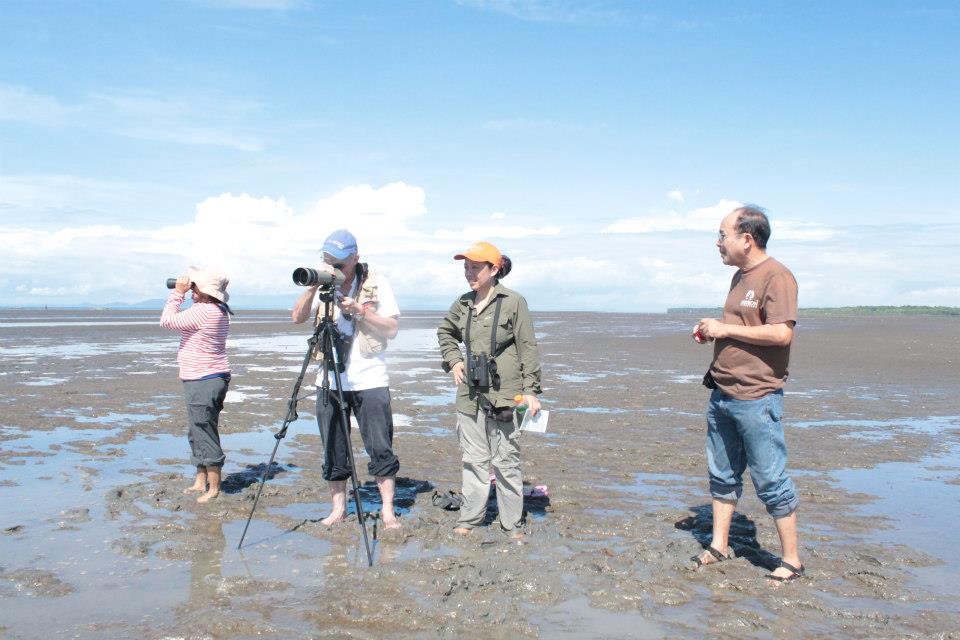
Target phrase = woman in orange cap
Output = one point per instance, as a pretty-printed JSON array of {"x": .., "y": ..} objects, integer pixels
[{"x": 501, "y": 361}]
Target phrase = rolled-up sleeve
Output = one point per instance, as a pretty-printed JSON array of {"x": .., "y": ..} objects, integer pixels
[
  {"x": 189, "y": 320},
  {"x": 527, "y": 349},
  {"x": 449, "y": 337}
]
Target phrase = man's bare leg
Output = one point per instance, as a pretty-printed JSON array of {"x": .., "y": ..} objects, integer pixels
[
  {"x": 387, "y": 486},
  {"x": 199, "y": 483},
  {"x": 722, "y": 517},
  {"x": 338, "y": 496},
  {"x": 213, "y": 485},
  {"x": 789, "y": 543}
]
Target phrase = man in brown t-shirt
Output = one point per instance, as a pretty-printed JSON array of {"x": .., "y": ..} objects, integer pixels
[{"x": 750, "y": 357}]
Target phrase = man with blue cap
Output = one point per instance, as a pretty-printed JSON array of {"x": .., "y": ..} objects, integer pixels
[{"x": 366, "y": 315}]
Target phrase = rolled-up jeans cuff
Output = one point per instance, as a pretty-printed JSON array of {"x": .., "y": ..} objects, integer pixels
[
  {"x": 784, "y": 509},
  {"x": 725, "y": 492}
]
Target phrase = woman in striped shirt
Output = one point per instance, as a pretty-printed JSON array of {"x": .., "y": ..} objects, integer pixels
[{"x": 204, "y": 369}]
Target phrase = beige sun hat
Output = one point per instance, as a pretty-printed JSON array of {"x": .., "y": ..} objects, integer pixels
[{"x": 211, "y": 282}]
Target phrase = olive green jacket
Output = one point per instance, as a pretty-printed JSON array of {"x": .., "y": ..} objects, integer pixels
[{"x": 517, "y": 354}]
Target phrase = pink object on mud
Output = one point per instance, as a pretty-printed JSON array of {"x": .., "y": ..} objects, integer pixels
[
  {"x": 538, "y": 491},
  {"x": 493, "y": 478}
]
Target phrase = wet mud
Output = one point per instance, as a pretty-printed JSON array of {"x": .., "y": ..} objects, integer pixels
[{"x": 94, "y": 524}]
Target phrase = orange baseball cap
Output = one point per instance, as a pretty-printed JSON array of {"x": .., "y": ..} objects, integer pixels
[{"x": 481, "y": 252}]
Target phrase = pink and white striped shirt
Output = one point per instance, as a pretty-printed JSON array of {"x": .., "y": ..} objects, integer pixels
[{"x": 203, "y": 345}]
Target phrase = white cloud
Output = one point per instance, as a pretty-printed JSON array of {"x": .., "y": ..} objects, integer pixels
[
  {"x": 513, "y": 232},
  {"x": 800, "y": 231},
  {"x": 45, "y": 191},
  {"x": 19, "y": 104},
  {"x": 259, "y": 240},
  {"x": 676, "y": 195},
  {"x": 498, "y": 215},
  {"x": 936, "y": 296},
  {"x": 268, "y": 5},
  {"x": 561, "y": 11},
  {"x": 215, "y": 120},
  {"x": 708, "y": 219},
  {"x": 704, "y": 219}
]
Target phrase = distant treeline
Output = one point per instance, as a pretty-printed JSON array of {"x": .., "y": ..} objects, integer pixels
[{"x": 906, "y": 310}]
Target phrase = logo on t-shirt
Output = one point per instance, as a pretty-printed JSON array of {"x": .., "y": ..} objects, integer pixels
[{"x": 750, "y": 300}]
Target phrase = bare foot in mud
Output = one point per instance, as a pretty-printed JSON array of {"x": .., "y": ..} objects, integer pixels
[
  {"x": 199, "y": 482},
  {"x": 462, "y": 531},
  {"x": 390, "y": 521},
  {"x": 207, "y": 497},
  {"x": 333, "y": 519}
]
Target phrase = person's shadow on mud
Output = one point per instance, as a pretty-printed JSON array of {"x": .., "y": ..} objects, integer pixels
[
  {"x": 742, "y": 540},
  {"x": 404, "y": 497},
  {"x": 240, "y": 480}
]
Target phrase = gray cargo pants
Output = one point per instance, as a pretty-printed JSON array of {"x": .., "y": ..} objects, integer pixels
[
  {"x": 485, "y": 441},
  {"x": 204, "y": 403}
]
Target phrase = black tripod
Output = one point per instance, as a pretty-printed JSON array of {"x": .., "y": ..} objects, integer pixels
[{"x": 328, "y": 337}]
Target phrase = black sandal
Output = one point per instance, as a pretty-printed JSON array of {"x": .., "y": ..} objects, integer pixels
[
  {"x": 716, "y": 554},
  {"x": 795, "y": 572}
]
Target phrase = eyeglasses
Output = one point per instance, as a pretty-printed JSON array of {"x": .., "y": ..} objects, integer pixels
[
  {"x": 721, "y": 236},
  {"x": 338, "y": 266}
]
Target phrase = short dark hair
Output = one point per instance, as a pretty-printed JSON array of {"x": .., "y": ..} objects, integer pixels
[
  {"x": 753, "y": 220},
  {"x": 506, "y": 264}
]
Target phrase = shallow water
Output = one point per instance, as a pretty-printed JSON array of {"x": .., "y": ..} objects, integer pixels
[{"x": 916, "y": 508}]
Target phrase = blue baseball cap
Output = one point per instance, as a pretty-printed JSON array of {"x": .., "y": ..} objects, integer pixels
[{"x": 340, "y": 244}]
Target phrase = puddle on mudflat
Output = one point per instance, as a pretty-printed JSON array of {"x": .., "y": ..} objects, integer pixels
[
  {"x": 74, "y": 350},
  {"x": 447, "y": 399},
  {"x": 116, "y": 418},
  {"x": 876, "y": 430},
  {"x": 107, "y": 585},
  {"x": 659, "y": 489},
  {"x": 79, "y": 466},
  {"x": 581, "y": 377},
  {"x": 687, "y": 379},
  {"x": 43, "y": 382},
  {"x": 576, "y": 620},
  {"x": 595, "y": 410},
  {"x": 413, "y": 551},
  {"x": 429, "y": 432},
  {"x": 921, "y": 499}
]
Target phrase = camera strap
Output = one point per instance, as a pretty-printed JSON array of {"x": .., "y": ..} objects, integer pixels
[{"x": 493, "y": 329}]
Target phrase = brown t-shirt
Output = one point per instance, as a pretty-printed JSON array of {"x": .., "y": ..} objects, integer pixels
[{"x": 763, "y": 294}]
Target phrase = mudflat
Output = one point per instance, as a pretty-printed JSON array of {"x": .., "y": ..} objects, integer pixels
[{"x": 97, "y": 539}]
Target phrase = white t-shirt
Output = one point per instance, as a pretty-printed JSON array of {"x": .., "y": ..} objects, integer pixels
[{"x": 363, "y": 373}]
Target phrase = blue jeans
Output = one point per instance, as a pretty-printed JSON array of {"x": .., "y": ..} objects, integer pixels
[{"x": 748, "y": 433}]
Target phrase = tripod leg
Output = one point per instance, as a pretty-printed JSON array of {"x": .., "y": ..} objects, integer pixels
[
  {"x": 345, "y": 425},
  {"x": 263, "y": 480},
  {"x": 356, "y": 495},
  {"x": 291, "y": 416}
]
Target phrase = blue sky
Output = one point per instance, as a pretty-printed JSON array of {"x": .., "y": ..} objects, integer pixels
[{"x": 597, "y": 143}]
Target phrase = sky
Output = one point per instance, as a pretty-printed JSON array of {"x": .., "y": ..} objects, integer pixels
[{"x": 598, "y": 144}]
